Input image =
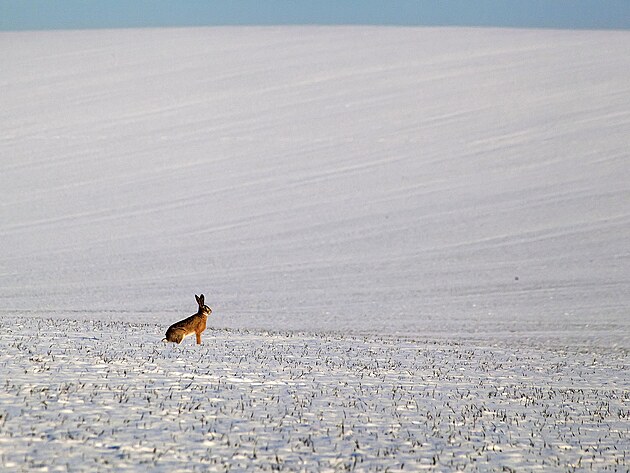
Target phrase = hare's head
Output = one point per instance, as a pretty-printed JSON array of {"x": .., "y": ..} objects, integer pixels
[{"x": 203, "y": 308}]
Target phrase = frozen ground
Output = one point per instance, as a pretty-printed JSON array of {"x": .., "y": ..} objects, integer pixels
[
  {"x": 88, "y": 395},
  {"x": 414, "y": 241}
]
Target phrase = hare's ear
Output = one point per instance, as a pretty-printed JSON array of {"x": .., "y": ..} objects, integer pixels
[{"x": 199, "y": 301}]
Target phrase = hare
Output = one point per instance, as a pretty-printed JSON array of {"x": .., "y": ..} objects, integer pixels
[{"x": 196, "y": 324}]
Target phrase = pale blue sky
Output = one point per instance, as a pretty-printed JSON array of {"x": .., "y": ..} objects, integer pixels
[{"x": 72, "y": 14}]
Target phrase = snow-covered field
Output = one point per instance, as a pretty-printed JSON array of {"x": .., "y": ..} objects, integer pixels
[
  {"x": 88, "y": 395},
  {"x": 415, "y": 243}
]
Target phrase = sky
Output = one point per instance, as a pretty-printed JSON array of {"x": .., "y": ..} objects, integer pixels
[{"x": 89, "y": 14}]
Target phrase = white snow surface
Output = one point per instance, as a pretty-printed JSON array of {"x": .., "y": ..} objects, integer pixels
[
  {"x": 415, "y": 243},
  {"x": 355, "y": 179},
  {"x": 86, "y": 395}
]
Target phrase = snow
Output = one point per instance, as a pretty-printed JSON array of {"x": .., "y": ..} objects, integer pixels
[
  {"x": 336, "y": 178},
  {"x": 87, "y": 395},
  {"x": 423, "y": 232}
]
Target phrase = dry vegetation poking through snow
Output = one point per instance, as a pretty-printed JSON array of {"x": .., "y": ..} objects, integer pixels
[{"x": 86, "y": 395}]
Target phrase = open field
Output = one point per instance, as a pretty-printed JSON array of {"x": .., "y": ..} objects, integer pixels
[
  {"x": 415, "y": 243},
  {"x": 86, "y": 395},
  {"x": 344, "y": 179}
]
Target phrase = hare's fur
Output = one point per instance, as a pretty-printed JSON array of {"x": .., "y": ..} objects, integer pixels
[{"x": 196, "y": 324}]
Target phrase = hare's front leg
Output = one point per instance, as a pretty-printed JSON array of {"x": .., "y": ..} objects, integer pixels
[{"x": 198, "y": 337}]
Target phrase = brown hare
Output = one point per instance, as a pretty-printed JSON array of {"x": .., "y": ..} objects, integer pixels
[{"x": 196, "y": 324}]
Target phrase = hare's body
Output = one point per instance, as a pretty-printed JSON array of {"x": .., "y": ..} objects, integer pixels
[{"x": 196, "y": 324}]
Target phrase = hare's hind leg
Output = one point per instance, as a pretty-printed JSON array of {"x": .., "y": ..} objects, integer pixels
[{"x": 175, "y": 336}]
